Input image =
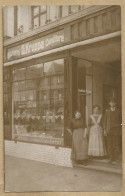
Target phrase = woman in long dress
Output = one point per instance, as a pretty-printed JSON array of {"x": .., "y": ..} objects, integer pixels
[
  {"x": 96, "y": 147},
  {"x": 79, "y": 141}
]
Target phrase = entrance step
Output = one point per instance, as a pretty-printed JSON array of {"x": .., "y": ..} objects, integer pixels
[{"x": 103, "y": 165}]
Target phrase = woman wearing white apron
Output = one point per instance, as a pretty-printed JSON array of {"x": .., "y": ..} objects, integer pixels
[{"x": 96, "y": 146}]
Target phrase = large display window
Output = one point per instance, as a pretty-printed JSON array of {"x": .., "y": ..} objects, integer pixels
[
  {"x": 38, "y": 103},
  {"x": 7, "y": 103}
]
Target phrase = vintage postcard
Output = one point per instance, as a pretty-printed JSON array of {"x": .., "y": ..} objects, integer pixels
[{"x": 62, "y": 74}]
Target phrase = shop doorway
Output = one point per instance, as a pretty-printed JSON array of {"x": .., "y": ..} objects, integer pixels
[{"x": 82, "y": 87}]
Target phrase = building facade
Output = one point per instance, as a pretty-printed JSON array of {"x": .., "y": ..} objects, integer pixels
[{"x": 58, "y": 59}]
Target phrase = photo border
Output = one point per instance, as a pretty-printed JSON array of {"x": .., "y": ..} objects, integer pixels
[{"x": 61, "y": 2}]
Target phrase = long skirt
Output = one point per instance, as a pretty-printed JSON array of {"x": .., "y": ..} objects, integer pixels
[
  {"x": 79, "y": 145},
  {"x": 96, "y": 145}
]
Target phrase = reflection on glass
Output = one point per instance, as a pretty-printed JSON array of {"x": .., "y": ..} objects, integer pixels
[
  {"x": 19, "y": 74},
  {"x": 38, "y": 101},
  {"x": 54, "y": 66},
  {"x": 6, "y": 75},
  {"x": 34, "y": 71}
]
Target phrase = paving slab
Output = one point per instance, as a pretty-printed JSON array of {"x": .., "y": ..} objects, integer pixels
[{"x": 23, "y": 175}]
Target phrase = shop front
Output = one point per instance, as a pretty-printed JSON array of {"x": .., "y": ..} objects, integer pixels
[
  {"x": 44, "y": 97},
  {"x": 48, "y": 77}
]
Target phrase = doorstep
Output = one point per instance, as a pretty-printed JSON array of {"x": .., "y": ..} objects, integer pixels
[{"x": 103, "y": 165}]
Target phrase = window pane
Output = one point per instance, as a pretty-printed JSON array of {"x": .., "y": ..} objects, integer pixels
[
  {"x": 36, "y": 22},
  {"x": 54, "y": 66},
  {"x": 34, "y": 71},
  {"x": 42, "y": 19},
  {"x": 19, "y": 86},
  {"x": 53, "y": 12},
  {"x": 31, "y": 84},
  {"x": 42, "y": 9},
  {"x": 36, "y": 10},
  {"x": 81, "y": 7},
  {"x": 65, "y": 10},
  {"x": 6, "y": 75},
  {"x": 38, "y": 103},
  {"x": 6, "y": 87},
  {"x": 19, "y": 74},
  {"x": 51, "y": 97},
  {"x": 74, "y": 8}
]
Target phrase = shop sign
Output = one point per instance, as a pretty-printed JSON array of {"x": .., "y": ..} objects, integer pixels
[
  {"x": 37, "y": 45},
  {"x": 84, "y": 91}
]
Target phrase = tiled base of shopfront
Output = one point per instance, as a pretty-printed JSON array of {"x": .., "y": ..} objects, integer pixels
[
  {"x": 37, "y": 152},
  {"x": 56, "y": 156}
]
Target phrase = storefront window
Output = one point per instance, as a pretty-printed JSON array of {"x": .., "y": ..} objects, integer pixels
[
  {"x": 34, "y": 71},
  {"x": 7, "y": 104},
  {"x": 19, "y": 74},
  {"x": 38, "y": 102}
]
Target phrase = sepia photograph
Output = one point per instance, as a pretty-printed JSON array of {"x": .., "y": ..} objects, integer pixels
[{"x": 62, "y": 98}]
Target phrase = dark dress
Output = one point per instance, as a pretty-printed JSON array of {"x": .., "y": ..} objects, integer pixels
[
  {"x": 79, "y": 143},
  {"x": 112, "y": 123}
]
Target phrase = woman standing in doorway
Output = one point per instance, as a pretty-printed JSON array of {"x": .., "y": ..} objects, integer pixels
[
  {"x": 79, "y": 141},
  {"x": 96, "y": 146}
]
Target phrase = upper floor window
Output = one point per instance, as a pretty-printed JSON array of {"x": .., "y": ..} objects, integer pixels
[
  {"x": 65, "y": 10},
  {"x": 75, "y": 8},
  {"x": 39, "y": 14},
  {"x": 42, "y": 15},
  {"x": 21, "y": 19}
]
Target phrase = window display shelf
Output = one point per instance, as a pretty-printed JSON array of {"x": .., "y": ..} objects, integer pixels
[{"x": 41, "y": 139}]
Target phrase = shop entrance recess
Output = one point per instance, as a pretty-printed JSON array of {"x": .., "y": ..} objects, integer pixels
[{"x": 82, "y": 87}]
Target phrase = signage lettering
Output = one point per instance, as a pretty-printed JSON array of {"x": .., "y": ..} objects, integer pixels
[
  {"x": 84, "y": 91},
  {"x": 36, "y": 45}
]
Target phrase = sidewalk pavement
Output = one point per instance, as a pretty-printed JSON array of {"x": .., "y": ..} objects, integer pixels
[{"x": 23, "y": 175}]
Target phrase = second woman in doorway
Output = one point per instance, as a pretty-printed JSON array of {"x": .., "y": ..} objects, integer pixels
[{"x": 96, "y": 146}]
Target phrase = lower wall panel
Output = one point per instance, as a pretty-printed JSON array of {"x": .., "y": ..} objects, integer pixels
[{"x": 47, "y": 154}]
